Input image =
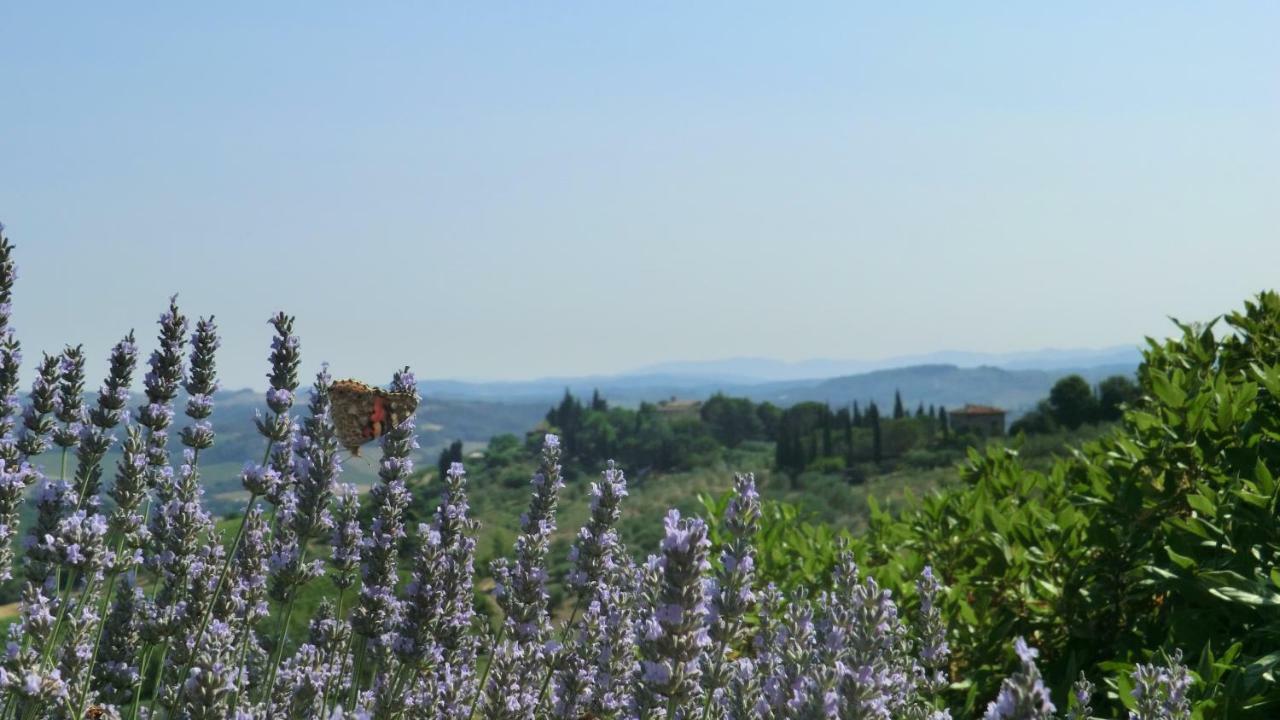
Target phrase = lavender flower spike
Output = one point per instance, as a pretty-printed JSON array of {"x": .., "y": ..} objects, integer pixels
[
  {"x": 674, "y": 631},
  {"x": 202, "y": 382},
  {"x": 36, "y": 421},
  {"x": 594, "y": 551},
  {"x": 70, "y": 405},
  {"x": 161, "y": 384},
  {"x": 1022, "y": 696}
]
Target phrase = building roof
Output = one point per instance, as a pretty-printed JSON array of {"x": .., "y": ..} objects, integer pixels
[
  {"x": 675, "y": 405},
  {"x": 976, "y": 410}
]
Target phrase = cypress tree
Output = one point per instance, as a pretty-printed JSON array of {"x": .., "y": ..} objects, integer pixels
[
  {"x": 899, "y": 412},
  {"x": 920, "y": 411},
  {"x": 846, "y": 426},
  {"x": 942, "y": 420},
  {"x": 857, "y": 415},
  {"x": 826, "y": 431},
  {"x": 873, "y": 413}
]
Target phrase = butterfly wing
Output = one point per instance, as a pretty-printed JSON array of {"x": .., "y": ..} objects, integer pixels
[
  {"x": 352, "y": 407},
  {"x": 362, "y": 413}
]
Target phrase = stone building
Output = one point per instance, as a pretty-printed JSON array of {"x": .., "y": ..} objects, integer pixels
[{"x": 978, "y": 419}]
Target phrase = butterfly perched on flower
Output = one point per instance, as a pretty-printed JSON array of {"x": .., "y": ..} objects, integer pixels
[{"x": 362, "y": 413}]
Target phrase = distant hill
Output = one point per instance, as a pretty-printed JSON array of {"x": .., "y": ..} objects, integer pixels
[
  {"x": 940, "y": 384},
  {"x": 946, "y": 385},
  {"x": 748, "y": 369}
]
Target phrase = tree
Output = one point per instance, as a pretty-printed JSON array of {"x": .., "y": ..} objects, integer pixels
[
  {"x": 448, "y": 456},
  {"x": 899, "y": 412},
  {"x": 769, "y": 415},
  {"x": 846, "y": 427},
  {"x": 598, "y": 403},
  {"x": 942, "y": 421},
  {"x": 1114, "y": 392},
  {"x": 920, "y": 410},
  {"x": 857, "y": 415},
  {"x": 877, "y": 447},
  {"x": 731, "y": 420},
  {"x": 1072, "y": 402},
  {"x": 1037, "y": 421},
  {"x": 826, "y": 432},
  {"x": 567, "y": 418}
]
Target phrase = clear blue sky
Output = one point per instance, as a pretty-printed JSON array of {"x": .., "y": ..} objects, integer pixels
[{"x": 516, "y": 191}]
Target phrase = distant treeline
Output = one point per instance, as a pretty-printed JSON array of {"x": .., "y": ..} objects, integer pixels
[
  {"x": 1073, "y": 402},
  {"x": 856, "y": 440},
  {"x": 686, "y": 434}
]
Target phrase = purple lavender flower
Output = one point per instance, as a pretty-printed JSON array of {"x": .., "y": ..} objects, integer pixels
[
  {"x": 731, "y": 589},
  {"x": 10, "y": 358},
  {"x": 10, "y": 365},
  {"x": 348, "y": 537},
  {"x": 129, "y": 490},
  {"x": 1022, "y": 696},
  {"x": 164, "y": 375},
  {"x": 54, "y": 501},
  {"x": 674, "y": 630},
  {"x": 96, "y": 436},
  {"x": 507, "y": 694},
  {"x": 14, "y": 479},
  {"x": 116, "y": 673},
  {"x": 245, "y": 601},
  {"x": 594, "y": 552},
  {"x": 36, "y": 420},
  {"x": 1160, "y": 692},
  {"x": 285, "y": 360},
  {"x": 521, "y": 588},
  {"x": 317, "y": 467},
  {"x": 377, "y": 618},
  {"x": 932, "y": 632},
  {"x": 113, "y": 395},
  {"x": 288, "y": 567},
  {"x": 70, "y": 403},
  {"x": 213, "y": 676},
  {"x": 1081, "y": 694},
  {"x": 202, "y": 382},
  {"x": 436, "y": 631},
  {"x": 595, "y": 678}
]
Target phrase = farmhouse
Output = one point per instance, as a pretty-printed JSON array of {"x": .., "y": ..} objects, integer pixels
[
  {"x": 680, "y": 408},
  {"x": 980, "y": 419}
]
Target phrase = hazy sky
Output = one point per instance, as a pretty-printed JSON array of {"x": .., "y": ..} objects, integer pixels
[{"x": 517, "y": 191}]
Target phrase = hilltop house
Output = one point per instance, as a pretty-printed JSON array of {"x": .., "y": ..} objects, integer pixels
[
  {"x": 680, "y": 408},
  {"x": 979, "y": 419}
]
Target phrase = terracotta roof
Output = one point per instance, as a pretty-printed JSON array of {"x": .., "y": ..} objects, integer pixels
[{"x": 976, "y": 410}]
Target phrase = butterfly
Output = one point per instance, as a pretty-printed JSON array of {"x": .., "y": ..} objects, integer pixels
[{"x": 362, "y": 413}]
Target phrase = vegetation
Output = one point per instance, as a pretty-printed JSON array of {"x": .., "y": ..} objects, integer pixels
[
  {"x": 1160, "y": 534},
  {"x": 1072, "y": 403},
  {"x": 324, "y": 603}
]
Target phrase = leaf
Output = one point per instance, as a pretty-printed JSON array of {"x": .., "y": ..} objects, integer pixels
[
  {"x": 1181, "y": 561},
  {"x": 1202, "y": 505},
  {"x": 1169, "y": 394},
  {"x": 1262, "y": 476}
]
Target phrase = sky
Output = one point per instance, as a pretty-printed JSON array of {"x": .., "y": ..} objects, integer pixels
[{"x": 518, "y": 190}]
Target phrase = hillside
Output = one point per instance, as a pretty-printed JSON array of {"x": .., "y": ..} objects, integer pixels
[
  {"x": 946, "y": 385},
  {"x": 936, "y": 384}
]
